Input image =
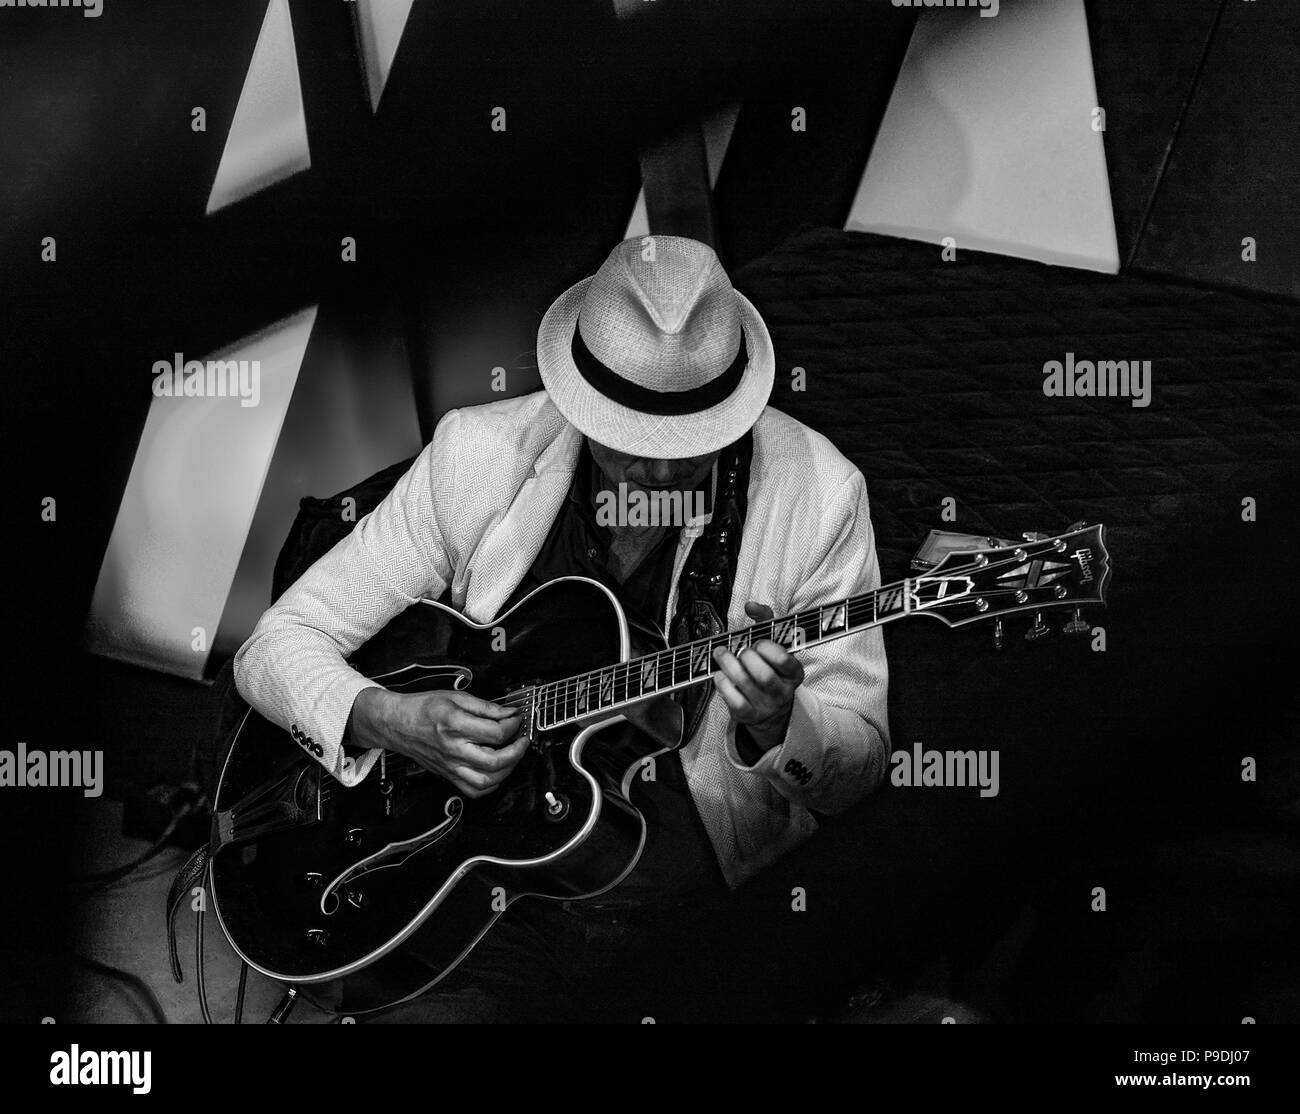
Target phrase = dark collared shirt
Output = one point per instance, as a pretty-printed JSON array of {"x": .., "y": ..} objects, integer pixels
[
  {"x": 678, "y": 857},
  {"x": 579, "y": 546}
]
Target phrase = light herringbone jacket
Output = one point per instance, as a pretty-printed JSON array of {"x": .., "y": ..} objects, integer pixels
[{"x": 472, "y": 513}]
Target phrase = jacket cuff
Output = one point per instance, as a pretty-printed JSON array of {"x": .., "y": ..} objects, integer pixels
[
  {"x": 794, "y": 764},
  {"x": 321, "y": 735}
]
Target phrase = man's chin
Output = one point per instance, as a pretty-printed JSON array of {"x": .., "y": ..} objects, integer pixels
[{"x": 632, "y": 485}]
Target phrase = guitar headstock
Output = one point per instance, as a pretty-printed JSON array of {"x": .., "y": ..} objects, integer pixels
[{"x": 1069, "y": 570}]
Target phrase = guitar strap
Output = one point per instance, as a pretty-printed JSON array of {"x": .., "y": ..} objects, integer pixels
[{"x": 705, "y": 586}]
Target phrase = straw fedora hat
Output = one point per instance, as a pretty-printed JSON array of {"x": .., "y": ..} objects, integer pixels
[{"x": 655, "y": 354}]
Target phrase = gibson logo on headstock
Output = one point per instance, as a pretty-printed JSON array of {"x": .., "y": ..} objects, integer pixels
[{"x": 1084, "y": 557}]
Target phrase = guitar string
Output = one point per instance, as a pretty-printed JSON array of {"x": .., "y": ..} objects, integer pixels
[
  {"x": 557, "y": 696},
  {"x": 558, "y": 693},
  {"x": 524, "y": 700}
]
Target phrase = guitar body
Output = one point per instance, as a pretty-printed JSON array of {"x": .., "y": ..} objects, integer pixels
[
  {"x": 381, "y": 889},
  {"x": 314, "y": 883}
]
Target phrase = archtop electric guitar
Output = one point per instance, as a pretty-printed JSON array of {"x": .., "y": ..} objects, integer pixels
[{"x": 316, "y": 884}]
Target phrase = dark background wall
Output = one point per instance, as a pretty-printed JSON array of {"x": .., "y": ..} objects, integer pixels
[{"x": 1203, "y": 137}]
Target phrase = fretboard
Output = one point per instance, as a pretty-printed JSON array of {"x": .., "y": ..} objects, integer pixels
[{"x": 614, "y": 687}]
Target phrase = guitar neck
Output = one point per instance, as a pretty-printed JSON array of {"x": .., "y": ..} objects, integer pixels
[{"x": 568, "y": 701}]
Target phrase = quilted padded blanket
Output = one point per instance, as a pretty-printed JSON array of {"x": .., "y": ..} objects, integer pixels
[{"x": 928, "y": 375}]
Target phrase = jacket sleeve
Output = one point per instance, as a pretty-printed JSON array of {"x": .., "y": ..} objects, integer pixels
[
  {"x": 292, "y": 668},
  {"x": 836, "y": 749}
]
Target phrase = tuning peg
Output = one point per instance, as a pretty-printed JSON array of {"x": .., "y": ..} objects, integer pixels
[
  {"x": 997, "y": 634},
  {"x": 1038, "y": 630},
  {"x": 1077, "y": 624},
  {"x": 1035, "y": 536}
]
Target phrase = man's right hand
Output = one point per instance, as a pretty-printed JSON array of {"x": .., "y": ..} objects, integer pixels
[{"x": 469, "y": 741}]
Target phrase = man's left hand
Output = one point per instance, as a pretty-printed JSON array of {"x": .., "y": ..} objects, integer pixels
[{"x": 758, "y": 685}]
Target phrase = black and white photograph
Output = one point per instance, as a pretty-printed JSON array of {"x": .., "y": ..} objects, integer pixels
[{"x": 685, "y": 513}]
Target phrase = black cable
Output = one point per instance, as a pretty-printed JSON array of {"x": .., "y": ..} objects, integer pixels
[
  {"x": 198, "y": 962},
  {"x": 133, "y": 981},
  {"x": 239, "y": 996}
]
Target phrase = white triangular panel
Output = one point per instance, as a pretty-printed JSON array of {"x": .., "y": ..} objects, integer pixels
[
  {"x": 718, "y": 127},
  {"x": 989, "y": 138},
  {"x": 380, "y": 24},
  {"x": 639, "y": 223},
  {"x": 268, "y": 135},
  {"x": 194, "y": 487}
]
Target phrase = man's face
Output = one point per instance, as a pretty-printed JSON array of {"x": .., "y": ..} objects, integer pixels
[{"x": 647, "y": 474}]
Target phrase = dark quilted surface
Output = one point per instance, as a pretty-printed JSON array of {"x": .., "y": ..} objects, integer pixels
[{"x": 929, "y": 376}]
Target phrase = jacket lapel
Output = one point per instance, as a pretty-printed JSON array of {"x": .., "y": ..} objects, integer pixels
[{"x": 509, "y": 547}]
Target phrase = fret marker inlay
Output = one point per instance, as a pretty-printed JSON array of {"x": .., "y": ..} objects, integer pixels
[{"x": 832, "y": 618}]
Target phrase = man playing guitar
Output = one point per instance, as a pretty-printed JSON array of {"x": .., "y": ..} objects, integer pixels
[{"x": 656, "y": 377}]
